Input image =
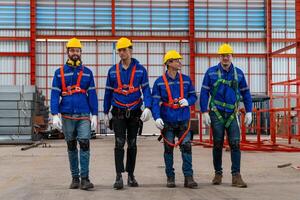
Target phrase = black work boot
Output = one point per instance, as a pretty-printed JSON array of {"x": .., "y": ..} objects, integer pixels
[
  {"x": 119, "y": 182},
  {"x": 132, "y": 181},
  {"x": 75, "y": 183},
  {"x": 86, "y": 183},
  {"x": 171, "y": 182},
  {"x": 189, "y": 182}
]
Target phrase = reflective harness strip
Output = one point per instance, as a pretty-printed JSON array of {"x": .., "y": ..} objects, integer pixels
[
  {"x": 214, "y": 102},
  {"x": 121, "y": 88},
  {"x": 70, "y": 90},
  {"x": 173, "y": 103}
]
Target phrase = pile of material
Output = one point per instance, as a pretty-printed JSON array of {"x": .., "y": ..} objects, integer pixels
[{"x": 23, "y": 113}]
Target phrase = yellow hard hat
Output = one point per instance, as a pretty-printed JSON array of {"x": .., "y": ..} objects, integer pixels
[
  {"x": 225, "y": 49},
  {"x": 74, "y": 42},
  {"x": 172, "y": 54},
  {"x": 123, "y": 43}
]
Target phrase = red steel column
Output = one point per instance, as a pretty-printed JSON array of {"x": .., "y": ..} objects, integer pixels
[
  {"x": 297, "y": 14},
  {"x": 32, "y": 40},
  {"x": 269, "y": 65},
  {"x": 192, "y": 45},
  {"x": 113, "y": 18}
]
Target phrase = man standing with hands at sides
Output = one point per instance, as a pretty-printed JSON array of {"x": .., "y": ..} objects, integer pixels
[
  {"x": 73, "y": 95},
  {"x": 225, "y": 84},
  {"x": 173, "y": 93},
  {"x": 126, "y": 81}
]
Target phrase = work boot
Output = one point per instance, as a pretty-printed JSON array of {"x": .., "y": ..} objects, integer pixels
[
  {"x": 171, "y": 182},
  {"x": 189, "y": 182},
  {"x": 86, "y": 183},
  {"x": 217, "y": 179},
  {"x": 237, "y": 181},
  {"x": 119, "y": 182},
  {"x": 75, "y": 183},
  {"x": 132, "y": 181}
]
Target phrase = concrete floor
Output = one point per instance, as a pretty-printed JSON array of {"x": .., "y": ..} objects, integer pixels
[{"x": 43, "y": 174}]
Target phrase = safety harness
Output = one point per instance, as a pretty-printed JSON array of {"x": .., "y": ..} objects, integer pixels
[
  {"x": 70, "y": 90},
  {"x": 213, "y": 102},
  {"x": 125, "y": 89},
  {"x": 173, "y": 103}
]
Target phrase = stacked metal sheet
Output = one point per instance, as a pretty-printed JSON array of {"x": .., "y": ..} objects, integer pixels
[{"x": 22, "y": 111}]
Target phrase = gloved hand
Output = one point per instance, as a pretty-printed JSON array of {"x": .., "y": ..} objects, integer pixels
[
  {"x": 106, "y": 120},
  {"x": 206, "y": 118},
  {"x": 94, "y": 122},
  {"x": 146, "y": 115},
  {"x": 248, "y": 118},
  {"x": 183, "y": 102},
  {"x": 57, "y": 122},
  {"x": 159, "y": 124}
]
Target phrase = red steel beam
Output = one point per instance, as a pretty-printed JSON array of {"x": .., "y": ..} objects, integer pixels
[
  {"x": 229, "y": 39},
  {"x": 14, "y": 38},
  {"x": 15, "y": 54},
  {"x": 32, "y": 40},
  {"x": 248, "y": 55},
  {"x": 66, "y": 37},
  {"x": 283, "y": 49}
]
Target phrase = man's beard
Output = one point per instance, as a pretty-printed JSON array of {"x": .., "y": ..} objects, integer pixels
[{"x": 74, "y": 58}]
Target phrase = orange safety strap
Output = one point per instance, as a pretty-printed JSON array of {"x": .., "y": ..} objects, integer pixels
[
  {"x": 66, "y": 91},
  {"x": 180, "y": 139},
  {"x": 121, "y": 87},
  {"x": 76, "y": 118},
  {"x": 128, "y": 105},
  {"x": 171, "y": 103}
]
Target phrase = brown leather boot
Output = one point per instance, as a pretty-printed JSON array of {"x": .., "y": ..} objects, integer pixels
[
  {"x": 237, "y": 181},
  {"x": 189, "y": 182},
  {"x": 217, "y": 179}
]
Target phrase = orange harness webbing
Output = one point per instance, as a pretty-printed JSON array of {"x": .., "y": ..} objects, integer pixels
[{"x": 173, "y": 103}]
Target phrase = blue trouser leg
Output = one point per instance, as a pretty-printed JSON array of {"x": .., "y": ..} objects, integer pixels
[
  {"x": 218, "y": 130},
  {"x": 84, "y": 135},
  {"x": 168, "y": 153},
  {"x": 233, "y": 132},
  {"x": 186, "y": 154}
]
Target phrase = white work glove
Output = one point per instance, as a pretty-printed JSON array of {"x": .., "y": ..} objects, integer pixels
[
  {"x": 206, "y": 118},
  {"x": 57, "y": 122},
  {"x": 106, "y": 120},
  {"x": 183, "y": 102},
  {"x": 94, "y": 122},
  {"x": 159, "y": 124},
  {"x": 146, "y": 115},
  {"x": 248, "y": 118}
]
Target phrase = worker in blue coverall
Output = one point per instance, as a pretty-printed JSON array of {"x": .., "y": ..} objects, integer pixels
[
  {"x": 226, "y": 86},
  {"x": 126, "y": 82},
  {"x": 173, "y": 94},
  {"x": 73, "y": 95}
]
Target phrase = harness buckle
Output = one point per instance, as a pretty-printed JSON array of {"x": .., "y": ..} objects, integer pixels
[
  {"x": 77, "y": 89},
  {"x": 69, "y": 88},
  {"x": 127, "y": 113}
]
